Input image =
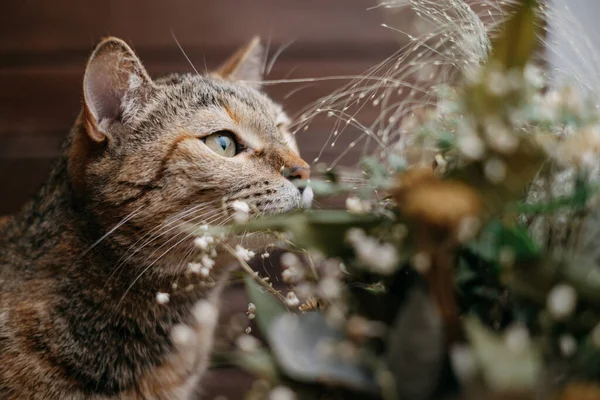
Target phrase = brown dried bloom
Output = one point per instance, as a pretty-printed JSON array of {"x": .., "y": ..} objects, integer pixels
[{"x": 425, "y": 198}]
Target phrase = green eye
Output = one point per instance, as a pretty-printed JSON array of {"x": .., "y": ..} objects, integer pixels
[{"x": 223, "y": 143}]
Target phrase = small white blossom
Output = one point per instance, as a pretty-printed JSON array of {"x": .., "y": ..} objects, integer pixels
[
  {"x": 194, "y": 267},
  {"x": 248, "y": 330},
  {"x": 421, "y": 262},
  {"x": 282, "y": 393},
  {"x": 207, "y": 262},
  {"x": 517, "y": 338},
  {"x": 242, "y": 211},
  {"x": 330, "y": 288},
  {"x": 162, "y": 298},
  {"x": 289, "y": 260},
  {"x": 204, "y": 312},
  {"x": 243, "y": 253},
  {"x": 251, "y": 308},
  {"x": 463, "y": 362},
  {"x": 265, "y": 255},
  {"x": 355, "y": 205},
  {"x": 561, "y": 301},
  {"x": 567, "y": 345},
  {"x": 382, "y": 258},
  {"x": 471, "y": 146},
  {"x": 291, "y": 275},
  {"x": 291, "y": 299},
  {"x": 182, "y": 334},
  {"x": 204, "y": 272},
  {"x": 247, "y": 343},
  {"x": 203, "y": 242},
  {"x": 495, "y": 170}
]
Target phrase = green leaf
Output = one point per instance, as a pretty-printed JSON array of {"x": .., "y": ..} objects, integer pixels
[
  {"x": 497, "y": 237},
  {"x": 515, "y": 45},
  {"x": 267, "y": 307},
  {"x": 304, "y": 346},
  {"x": 416, "y": 347},
  {"x": 323, "y": 230},
  {"x": 259, "y": 363}
]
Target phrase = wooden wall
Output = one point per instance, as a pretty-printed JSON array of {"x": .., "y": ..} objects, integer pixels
[{"x": 44, "y": 46}]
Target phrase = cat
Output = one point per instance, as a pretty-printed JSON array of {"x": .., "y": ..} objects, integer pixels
[{"x": 79, "y": 316}]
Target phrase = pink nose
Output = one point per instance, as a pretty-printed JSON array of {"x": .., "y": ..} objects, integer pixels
[{"x": 294, "y": 173}]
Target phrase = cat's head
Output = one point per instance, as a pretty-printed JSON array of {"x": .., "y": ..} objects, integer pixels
[{"x": 180, "y": 148}]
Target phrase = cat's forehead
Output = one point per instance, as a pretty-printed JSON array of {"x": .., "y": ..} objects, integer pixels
[{"x": 239, "y": 104}]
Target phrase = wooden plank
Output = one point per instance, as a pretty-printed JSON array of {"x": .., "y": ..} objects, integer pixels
[{"x": 46, "y": 27}]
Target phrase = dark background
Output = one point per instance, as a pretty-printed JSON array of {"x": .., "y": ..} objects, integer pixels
[{"x": 44, "y": 46}]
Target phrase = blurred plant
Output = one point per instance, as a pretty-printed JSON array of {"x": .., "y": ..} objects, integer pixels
[{"x": 473, "y": 267}]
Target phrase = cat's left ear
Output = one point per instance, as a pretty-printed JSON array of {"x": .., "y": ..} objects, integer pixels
[
  {"x": 113, "y": 85},
  {"x": 245, "y": 65}
]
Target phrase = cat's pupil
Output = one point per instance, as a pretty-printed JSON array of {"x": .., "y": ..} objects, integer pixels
[{"x": 224, "y": 142}]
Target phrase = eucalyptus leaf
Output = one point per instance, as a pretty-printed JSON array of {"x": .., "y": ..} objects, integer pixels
[
  {"x": 267, "y": 307},
  {"x": 304, "y": 346},
  {"x": 416, "y": 348}
]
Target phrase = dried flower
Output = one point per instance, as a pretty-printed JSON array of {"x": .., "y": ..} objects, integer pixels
[
  {"x": 291, "y": 299},
  {"x": 282, "y": 393},
  {"x": 561, "y": 301},
  {"x": 355, "y": 205},
  {"x": 162, "y": 298},
  {"x": 204, "y": 312},
  {"x": 243, "y": 253},
  {"x": 247, "y": 343},
  {"x": 203, "y": 242}
]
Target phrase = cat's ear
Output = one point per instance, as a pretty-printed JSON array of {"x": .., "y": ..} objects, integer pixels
[
  {"x": 114, "y": 77},
  {"x": 245, "y": 65}
]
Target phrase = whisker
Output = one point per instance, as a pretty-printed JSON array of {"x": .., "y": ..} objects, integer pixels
[{"x": 183, "y": 52}]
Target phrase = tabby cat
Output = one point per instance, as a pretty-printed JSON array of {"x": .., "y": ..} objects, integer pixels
[{"x": 79, "y": 317}]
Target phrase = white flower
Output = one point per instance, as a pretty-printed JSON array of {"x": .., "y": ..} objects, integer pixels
[
  {"x": 242, "y": 210},
  {"x": 355, "y": 205},
  {"x": 204, "y": 272},
  {"x": 463, "y": 362},
  {"x": 194, "y": 267},
  {"x": 251, "y": 308},
  {"x": 247, "y": 343},
  {"x": 495, "y": 170},
  {"x": 162, "y": 298},
  {"x": 421, "y": 262},
  {"x": 517, "y": 338},
  {"x": 330, "y": 288},
  {"x": 561, "y": 301},
  {"x": 291, "y": 299},
  {"x": 265, "y": 255},
  {"x": 471, "y": 146},
  {"x": 182, "y": 334},
  {"x": 207, "y": 262},
  {"x": 567, "y": 345},
  {"x": 204, "y": 312},
  {"x": 382, "y": 258},
  {"x": 282, "y": 393},
  {"x": 203, "y": 242},
  {"x": 289, "y": 260},
  {"x": 243, "y": 253},
  {"x": 291, "y": 275}
]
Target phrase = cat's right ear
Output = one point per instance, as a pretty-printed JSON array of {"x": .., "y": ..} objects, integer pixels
[{"x": 114, "y": 77}]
